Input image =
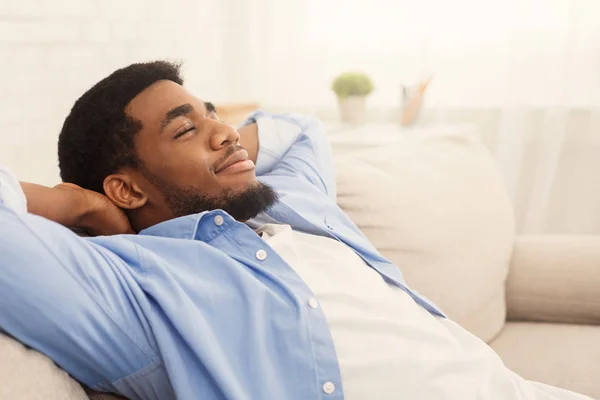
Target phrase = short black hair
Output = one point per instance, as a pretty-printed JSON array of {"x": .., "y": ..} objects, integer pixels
[{"x": 97, "y": 137}]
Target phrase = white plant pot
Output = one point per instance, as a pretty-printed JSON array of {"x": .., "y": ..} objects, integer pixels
[{"x": 353, "y": 109}]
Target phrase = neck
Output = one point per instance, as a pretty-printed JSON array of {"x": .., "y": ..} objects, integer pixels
[{"x": 147, "y": 216}]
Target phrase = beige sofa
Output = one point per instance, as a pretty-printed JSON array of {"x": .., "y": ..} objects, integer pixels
[{"x": 434, "y": 203}]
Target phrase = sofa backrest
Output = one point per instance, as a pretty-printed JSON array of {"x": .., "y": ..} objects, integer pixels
[{"x": 434, "y": 203}]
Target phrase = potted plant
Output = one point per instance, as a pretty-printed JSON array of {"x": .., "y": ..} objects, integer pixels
[{"x": 352, "y": 89}]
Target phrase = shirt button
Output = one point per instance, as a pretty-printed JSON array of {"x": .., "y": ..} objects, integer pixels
[
  {"x": 312, "y": 303},
  {"x": 218, "y": 220},
  {"x": 261, "y": 254},
  {"x": 328, "y": 387}
]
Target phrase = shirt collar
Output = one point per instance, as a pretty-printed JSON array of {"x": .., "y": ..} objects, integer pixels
[
  {"x": 189, "y": 226},
  {"x": 177, "y": 228}
]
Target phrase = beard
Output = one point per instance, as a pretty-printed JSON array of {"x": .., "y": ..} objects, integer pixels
[{"x": 242, "y": 205}]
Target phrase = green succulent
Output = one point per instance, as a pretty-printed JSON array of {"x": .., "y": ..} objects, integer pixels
[{"x": 352, "y": 84}]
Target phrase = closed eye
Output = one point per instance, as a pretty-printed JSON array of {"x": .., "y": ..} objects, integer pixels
[{"x": 184, "y": 131}]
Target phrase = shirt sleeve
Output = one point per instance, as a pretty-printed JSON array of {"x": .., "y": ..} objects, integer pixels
[
  {"x": 296, "y": 146},
  {"x": 11, "y": 194},
  {"x": 71, "y": 300}
]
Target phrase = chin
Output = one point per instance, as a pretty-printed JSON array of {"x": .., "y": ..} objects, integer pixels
[{"x": 238, "y": 182}]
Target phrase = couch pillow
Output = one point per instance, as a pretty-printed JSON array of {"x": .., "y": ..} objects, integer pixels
[
  {"x": 434, "y": 203},
  {"x": 26, "y": 374}
]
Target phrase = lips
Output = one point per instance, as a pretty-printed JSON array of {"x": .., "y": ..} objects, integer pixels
[{"x": 239, "y": 155}]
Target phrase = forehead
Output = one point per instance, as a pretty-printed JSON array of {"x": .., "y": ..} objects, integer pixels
[{"x": 151, "y": 105}]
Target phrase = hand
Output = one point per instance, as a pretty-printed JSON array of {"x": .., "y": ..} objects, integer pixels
[{"x": 98, "y": 215}]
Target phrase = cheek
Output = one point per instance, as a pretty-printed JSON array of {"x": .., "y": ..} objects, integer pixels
[
  {"x": 190, "y": 171},
  {"x": 184, "y": 166},
  {"x": 192, "y": 158}
]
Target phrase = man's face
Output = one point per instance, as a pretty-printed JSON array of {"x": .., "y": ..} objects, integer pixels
[{"x": 192, "y": 162}]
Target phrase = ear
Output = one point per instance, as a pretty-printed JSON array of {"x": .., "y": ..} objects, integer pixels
[{"x": 124, "y": 192}]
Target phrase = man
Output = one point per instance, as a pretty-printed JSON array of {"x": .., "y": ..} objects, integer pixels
[{"x": 233, "y": 287}]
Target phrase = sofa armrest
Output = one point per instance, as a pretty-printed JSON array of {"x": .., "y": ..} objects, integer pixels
[{"x": 555, "y": 279}]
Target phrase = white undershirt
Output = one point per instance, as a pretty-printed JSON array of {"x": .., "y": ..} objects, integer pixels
[{"x": 388, "y": 346}]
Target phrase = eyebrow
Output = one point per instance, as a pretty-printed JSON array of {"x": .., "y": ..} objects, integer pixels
[{"x": 178, "y": 111}]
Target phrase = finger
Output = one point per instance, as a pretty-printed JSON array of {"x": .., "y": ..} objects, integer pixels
[
  {"x": 122, "y": 229},
  {"x": 126, "y": 228}
]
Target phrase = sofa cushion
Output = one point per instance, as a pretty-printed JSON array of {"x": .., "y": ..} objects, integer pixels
[
  {"x": 434, "y": 203},
  {"x": 556, "y": 354},
  {"x": 26, "y": 374}
]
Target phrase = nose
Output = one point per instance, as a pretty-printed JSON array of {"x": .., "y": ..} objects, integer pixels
[{"x": 222, "y": 135}]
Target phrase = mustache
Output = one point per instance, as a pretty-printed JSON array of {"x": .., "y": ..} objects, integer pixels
[{"x": 230, "y": 150}]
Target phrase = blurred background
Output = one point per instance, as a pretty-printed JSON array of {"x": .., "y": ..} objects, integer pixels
[{"x": 525, "y": 73}]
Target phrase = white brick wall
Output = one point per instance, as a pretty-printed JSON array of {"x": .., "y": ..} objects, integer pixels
[{"x": 51, "y": 51}]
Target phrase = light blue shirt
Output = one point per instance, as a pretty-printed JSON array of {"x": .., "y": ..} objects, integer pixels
[{"x": 198, "y": 307}]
